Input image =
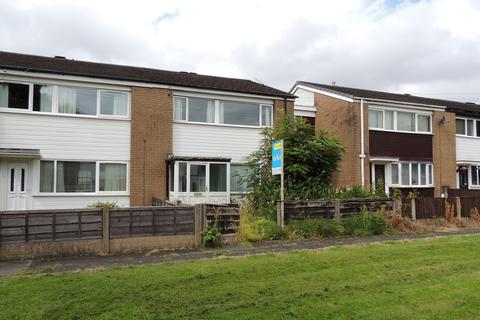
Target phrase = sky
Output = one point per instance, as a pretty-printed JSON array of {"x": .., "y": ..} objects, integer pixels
[{"x": 428, "y": 48}]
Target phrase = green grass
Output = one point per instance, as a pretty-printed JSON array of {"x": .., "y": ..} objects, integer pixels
[{"x": 426, "y": 279}]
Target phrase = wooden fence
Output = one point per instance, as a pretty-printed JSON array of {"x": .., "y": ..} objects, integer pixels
[
  {"x": 227, "y": 217},
  {"x": 151, "y": 221},
  {"x": 329, "y": 209},
  {"x": 42, "y": 225}
]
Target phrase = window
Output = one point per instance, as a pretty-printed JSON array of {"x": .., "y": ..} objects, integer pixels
[
  {"x": 114, "y": 103},
  {"x": 375, "y": 119},
  {"x": 460, "y": 126},
  {"x": 46, "y": 176},
  {"x": 197, "y": 178},
  {"x": 240, "y": 113},
  {"x": 42, "y": 98},
  {"x": 201, "y": 110},
  {"x": 218, "y": 177},
  {"x": 75, "y": 176},
  {"x": 474, "y": 172},
  {"x": 478, "y": 128},
  {"x": 470, "y": 127},
  {"x": 22, "y": 180},
  {"x": 389, "y": 120},
  {"x": 423, "y": 123},
  {"x": 412, "y": 174},
  {"x": 180, "y": 106},
  {"x": 14, "y": 95},
  {"x": 12, "y": 180},
  {"x": 405, "y": 121},
  {"x": 182, "y": 177},
  {"x": 77, "y": 101},
  {"x": 171, "y": 176},
  {"x": 113, "y": 177},
  {"x": 267, "y": 116},
  {"x": 238, "y": 177}
]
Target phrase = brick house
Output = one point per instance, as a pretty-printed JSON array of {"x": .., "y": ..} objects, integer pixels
[
  {"x": 75, "y": 132},
  {"x": 404, "y": 141}
]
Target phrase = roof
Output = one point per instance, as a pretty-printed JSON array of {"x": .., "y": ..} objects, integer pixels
[
  {"x": 60, "y": 65},
  {"x": 463, "y": 108}
]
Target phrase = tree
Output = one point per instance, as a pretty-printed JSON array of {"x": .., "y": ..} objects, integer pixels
[{"x": 310, "y": 160}]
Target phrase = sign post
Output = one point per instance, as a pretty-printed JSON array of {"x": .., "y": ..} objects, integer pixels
[{"x": 277, "y": 168}]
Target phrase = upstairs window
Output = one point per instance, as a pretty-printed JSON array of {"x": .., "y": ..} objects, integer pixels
[
  {"x": 405, "y": 121},
  {"x": 14, "y": 95},
  {"x": 392, "y": 120},
  {"x": 77, "y": 101},
  {"x": 201, "y": 110},
  {"x": 241, "y": 113},
  {"x": 375, "y": 119},
  {"x": 467, "y": 127},
  {"x": 42, "y": 98},
  {"x": 114, "y": 103}
]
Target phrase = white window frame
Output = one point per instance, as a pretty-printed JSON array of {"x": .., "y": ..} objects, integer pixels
[
  {"x": 55, "y": 100},
  {"x": 465, "y": 120},
  {"x": 410, "y": 185},
  {"x": 395, "y": 125},
  {"x": 97, "y": 180},
  {"x": 216, "y": 121}
]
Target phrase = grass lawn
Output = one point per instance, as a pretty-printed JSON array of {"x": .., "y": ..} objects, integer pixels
[{"x": 424, "y": 279}]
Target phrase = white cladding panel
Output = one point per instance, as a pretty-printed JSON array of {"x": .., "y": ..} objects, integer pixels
[
  {"x": 215, "y": 141},
  {"x": 305, "y": 98},
  {"x": 468, "y": 149},
  {"x": 72, "y": 202},
  {"x": 64, "y": 137}
]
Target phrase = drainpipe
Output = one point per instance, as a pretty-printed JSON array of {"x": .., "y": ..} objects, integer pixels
[{"x": 362, "y": 145}]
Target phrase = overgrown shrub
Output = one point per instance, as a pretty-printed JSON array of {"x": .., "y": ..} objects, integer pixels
[
  {"x": 212, "y": 237},
  {"x": 101, "y": 204},
  {"x": 365, "y": 223},
  {"x": 332, "y": 228},
  {"x": 306, "y": 229}
]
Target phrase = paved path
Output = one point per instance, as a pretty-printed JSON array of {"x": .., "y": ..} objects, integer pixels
[{"x": 94, "y": 262}]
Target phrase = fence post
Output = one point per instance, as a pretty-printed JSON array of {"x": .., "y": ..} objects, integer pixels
[
  {"x": 198, "y": 212},
  {"x": 414, "y": 209},
  {"x": 337, "y": 214},
  {"x": 397, "y": 206},
  {"x": 459, "y": 207},
  {"x": 106, "y": 229}
]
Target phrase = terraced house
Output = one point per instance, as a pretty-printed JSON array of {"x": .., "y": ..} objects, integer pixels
[
  {"x": 75, "y": 132},
  {"x": 404, "y": 141}
]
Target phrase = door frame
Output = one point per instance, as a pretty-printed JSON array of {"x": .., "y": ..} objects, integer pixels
[{"x": 387, "y": 175}]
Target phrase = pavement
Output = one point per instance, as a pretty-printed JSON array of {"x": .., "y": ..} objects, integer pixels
[{"x": 84, "y": 263}]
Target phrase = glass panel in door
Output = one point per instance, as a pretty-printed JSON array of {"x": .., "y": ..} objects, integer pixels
[{"x": 197, "y": 183}]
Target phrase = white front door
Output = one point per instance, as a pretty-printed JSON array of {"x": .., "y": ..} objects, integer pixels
[
  {"x": 198, "y": 184},
  {"x": 17, "y": 186}
]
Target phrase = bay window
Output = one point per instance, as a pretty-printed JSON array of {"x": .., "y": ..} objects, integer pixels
[
  {"x": 393, "y": 120},
  {"x": 227, "y": 112},
  {"x": 81, "y": 177},
  {"x": 412, "y": 174}
]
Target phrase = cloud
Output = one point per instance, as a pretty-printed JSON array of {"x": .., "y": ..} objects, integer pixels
[{"x": 421, "y": 47}]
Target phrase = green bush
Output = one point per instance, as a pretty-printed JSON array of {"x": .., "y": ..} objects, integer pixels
[
  {"x": 212, "y": 237},
  {"x": 331, "y": 228},
  {"x": 310, "y": 228},
  {"x": 264, "y": 229},
  {"x": 364, "y": 224}
]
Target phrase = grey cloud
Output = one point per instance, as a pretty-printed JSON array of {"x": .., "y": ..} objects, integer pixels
[{"x": 165, "y": 17}]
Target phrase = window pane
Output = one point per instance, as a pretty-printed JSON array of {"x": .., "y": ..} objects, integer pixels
[
  {"x": 241, "y": 113},
  {"x": 389, "y": 124},
  {"x": 42, "y": 98},
  {"x": 430, "y": 174},
  {"x": 46, "y": 176},
  {"x": 218, "y": 177},
  {"x": 12, "y": 180},
  {"x": 375, "y": 119},
  {"x": 14, "y": 95},
  {"x": 180, "y": 108},
  {"x": 266, "y": 116},
  {"x": 113, "y": 177},
  {"x": 75, "y": 176},
  {"x": 114, "y": 103},
  {"x": 474, "y": 175},
  {"x": 478, "y": 128},
  {"x": 238, "y": 178},
  {"x": 201, "y": 110},
  {"x": 182, "y": 177},
  {"x": 460, "y": 126},
  {"x": 423, "y": 123},
  {"x": 22, "y": 180},
  {"x": 469, "y": 127},
  {"x": 415, "y": 174},
  {"x": 197, "y": 178},
  {"x": 423, "y": 174},
  {"x": 77, "y": 101},
  {"x": 405, "y": 121},
  {"x": 405, "y": 168},
  {"x": 171, "y": 176},
  {"x": 394, "y": 173}
]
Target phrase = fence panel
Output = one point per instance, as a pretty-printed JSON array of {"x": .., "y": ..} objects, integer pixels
[
  {"x": 151, "y": 221},
  {"x": 42, "y": 225},
  {"x": 226, "y": 216},
  {"x": 467, "y": 204}
]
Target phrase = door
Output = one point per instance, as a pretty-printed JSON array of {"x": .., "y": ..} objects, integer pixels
[
  {"x": 463, "y": 177},
  {"x": 198, "y": 183},
  {"x": 17, "y": 186},
  {"x": 378, "y": 176}
]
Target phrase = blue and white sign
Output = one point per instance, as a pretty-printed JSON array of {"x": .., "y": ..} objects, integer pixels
[{"x": 277, "y": 157}]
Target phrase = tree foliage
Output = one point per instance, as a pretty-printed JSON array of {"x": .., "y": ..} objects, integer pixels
[{"x": 310, "y": 159}]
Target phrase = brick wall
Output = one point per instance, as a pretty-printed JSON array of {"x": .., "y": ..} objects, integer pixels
[
  {"x": 444, "y": 151},
  {"x": 151, "y": 143},
  {"x": 279, "y": 109},
  {"x": 341, "y": 119}
]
